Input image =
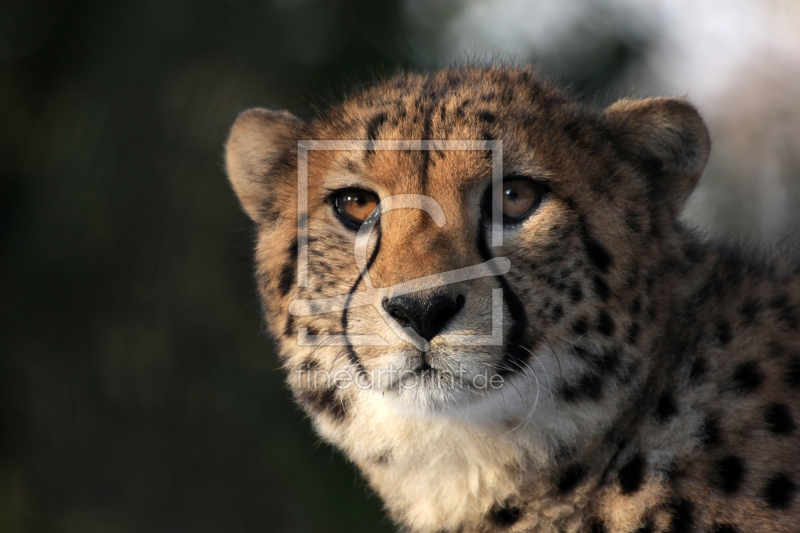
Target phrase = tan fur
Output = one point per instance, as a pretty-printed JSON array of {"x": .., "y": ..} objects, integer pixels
[{"x": 650, "y": 379}]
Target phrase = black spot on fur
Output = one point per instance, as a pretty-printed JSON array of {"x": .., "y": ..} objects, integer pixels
[
  {"x": 694, "y": 251},
  {"x": 723, "y": 528},
  {"x": 709, "y": 432},
  {"x": 682, "y": 519},
  {"x": 580, "y": 327},
  {"x": 575, "y": 294},
  {"x": 670, "y": 471},
  {"x": 558, "y": 313},
  {"x": 792, "y": 377},
  {"x": 636, "y": 307},
  {"x": 779, "y": 491},
  {"x": 748, "y": 377},
  {"x": 785, "y": 312},
  {"x": 631, "y": 220},
  {"x": 598, "y": 526},
  {"x": 698, "y": 369},
  {"x": 286, "y": 278},
  {"x": 597, "y": 254},
  {"x": 589, "y": 386},
  {"x": 288, "y": 328},
  {"x": 570, "y": 478},
  {"x": 728, "y": 474},
  {"x": 383, "y": 458},
  {"x": 608, "y": 361},
  {"x": 648, "y": 527},
  {"x": 323, "y": 400},
  {"x": 605, "y": 324},
  {"x": 632, "y": 474},
  {"x": 633, "y": 333},
  {"x": 373, "y": 126},
  {"x": 503, "y": 515},
  {"x": 724, "y": 332},
  {"x": 486, "y": 116},
  {"x": 779, "y": 419},
  {"x": 666, "y": 407},
  {"x": 601, "y": 288},
  {"x": 750, "y": 311}
]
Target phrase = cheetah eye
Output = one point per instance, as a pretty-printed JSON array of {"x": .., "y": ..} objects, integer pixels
[
  {"x": 354, "y": 205},
  {"x": 520, "y": 196}
]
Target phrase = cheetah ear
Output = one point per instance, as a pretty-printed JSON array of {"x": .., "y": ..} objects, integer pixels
[
  {"x": 667, "y": 140},
  {"x": 258, "y": 150}
]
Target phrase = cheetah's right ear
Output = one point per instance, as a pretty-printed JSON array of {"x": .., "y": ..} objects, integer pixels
[
  {"x": 668, "y": 141},
  {"x": 259, "y": 148}
]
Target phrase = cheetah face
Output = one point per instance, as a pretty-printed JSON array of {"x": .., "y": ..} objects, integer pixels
[{"x": 439, "y": 276}]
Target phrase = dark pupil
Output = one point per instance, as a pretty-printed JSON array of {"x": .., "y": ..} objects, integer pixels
[{"x": 512, "y": 194}]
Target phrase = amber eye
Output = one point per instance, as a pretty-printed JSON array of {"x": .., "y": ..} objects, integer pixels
[
  {"x": 519, "y": 197},
  {"x": 355, "y": 205}
]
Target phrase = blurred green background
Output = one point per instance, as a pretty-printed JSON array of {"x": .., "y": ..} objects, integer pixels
[{"x": 138, "y": 391}]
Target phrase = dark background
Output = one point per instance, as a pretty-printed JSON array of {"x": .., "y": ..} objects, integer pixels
[{"x": 138, "y": 391}]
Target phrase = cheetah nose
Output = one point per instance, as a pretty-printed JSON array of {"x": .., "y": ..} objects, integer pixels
[{"x": 427, "y": 315}]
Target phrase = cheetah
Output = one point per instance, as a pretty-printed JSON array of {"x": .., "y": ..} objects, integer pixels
[{"x": 480, "y": 293}]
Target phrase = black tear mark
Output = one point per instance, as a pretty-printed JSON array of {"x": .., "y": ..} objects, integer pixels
[
  {"x": 728, "y": 474},
  {"x": 666, "y": 407},
  {"x": 631, "y": 475},
  {"x": 779, "y": 491},
  {"x": 779, "y": 419},
  {"x": 748, "y": 377},
  {"x": 570, "y": 478},
  {"x": 351, "y": 353},
  {"x": 515, "y": 353},
  {"x": 503, "y": 515}
]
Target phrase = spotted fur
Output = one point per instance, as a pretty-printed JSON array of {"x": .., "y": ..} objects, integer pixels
[{"x": 650, "y": 378}]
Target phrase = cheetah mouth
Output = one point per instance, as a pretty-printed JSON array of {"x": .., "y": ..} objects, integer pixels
[{"x": 435, "y": 376}]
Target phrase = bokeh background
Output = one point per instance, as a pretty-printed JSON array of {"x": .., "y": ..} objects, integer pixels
[{"x": 138, "y": 391}]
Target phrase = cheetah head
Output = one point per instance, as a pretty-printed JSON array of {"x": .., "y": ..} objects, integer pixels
[{"x": 508, "y": 253}]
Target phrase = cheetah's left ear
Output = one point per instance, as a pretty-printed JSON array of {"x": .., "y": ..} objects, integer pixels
[
  {"x": 667, "y": 139},
  {"x": 259, "y": 141}
]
